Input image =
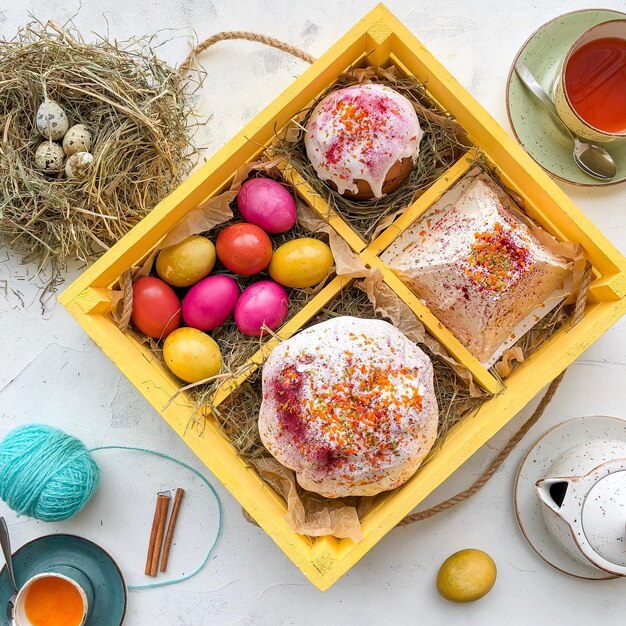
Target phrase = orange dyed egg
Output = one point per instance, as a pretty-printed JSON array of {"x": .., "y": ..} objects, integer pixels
[{"x": 244, "y": 248}]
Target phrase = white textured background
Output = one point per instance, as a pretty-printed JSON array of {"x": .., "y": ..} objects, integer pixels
[{"x": 50, "y": 371}]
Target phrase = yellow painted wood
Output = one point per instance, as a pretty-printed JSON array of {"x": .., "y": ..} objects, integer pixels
[
  {"x": 378, "y": 42},
  {"x": 383, "y": 38},
  {"x": 94, "y": 300}
]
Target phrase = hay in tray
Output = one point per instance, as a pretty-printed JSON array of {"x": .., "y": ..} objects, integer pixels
[
  {"x": 238, "y": 414},
  {"x": 443, "y": 143},
  {"x": 133, "y": 104}
]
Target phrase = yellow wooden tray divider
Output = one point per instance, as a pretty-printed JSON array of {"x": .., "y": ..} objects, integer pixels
[{"x": 378, "y": 39}]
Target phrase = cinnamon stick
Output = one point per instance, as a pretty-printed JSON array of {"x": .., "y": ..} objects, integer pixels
[
  {"x": 153, "y": 532},
  {"x": 156, "y": 536},
  {"x": 172, "y": 526}
]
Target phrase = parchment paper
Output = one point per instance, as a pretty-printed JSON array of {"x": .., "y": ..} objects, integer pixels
[{"x": 307, "y": 513}]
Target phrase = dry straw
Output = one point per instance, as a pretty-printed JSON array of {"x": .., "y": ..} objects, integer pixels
[{"x": 134, "y": 106}]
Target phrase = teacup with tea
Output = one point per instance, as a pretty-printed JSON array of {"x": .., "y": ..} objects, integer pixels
[
  {"x": 590, "y": 90},
  {"x": 59, "y": 598}
]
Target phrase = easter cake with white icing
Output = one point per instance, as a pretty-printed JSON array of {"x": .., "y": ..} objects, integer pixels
[
  {"x": 349, "y": 405},
  {"x": 363, "y": 140}
]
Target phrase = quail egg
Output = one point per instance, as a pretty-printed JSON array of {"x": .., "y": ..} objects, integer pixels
[
  {"x": 78, "y": 164},
  {"x": 51, "y": 120},
  {"x": 49, "y": 157},
  {"x": 77, "y": 139}
]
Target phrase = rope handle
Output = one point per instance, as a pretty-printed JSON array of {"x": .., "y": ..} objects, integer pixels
[{"x": 229, "y": 35}]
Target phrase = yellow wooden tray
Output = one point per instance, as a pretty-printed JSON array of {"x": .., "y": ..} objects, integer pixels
[{"x": 378, "y": 39}]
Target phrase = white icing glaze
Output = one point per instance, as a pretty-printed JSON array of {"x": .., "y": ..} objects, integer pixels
[
  {"x": 359, "y": 133},
  {"x": 349, "y": 405},
  {"x": 478, "y": 267}
]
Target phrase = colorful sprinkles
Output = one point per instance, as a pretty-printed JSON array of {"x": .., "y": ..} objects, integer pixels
[
  {"x": 347, "y": 403},
  {"x": 359, "y": 133},
  {"x": 496, "y": 261}
]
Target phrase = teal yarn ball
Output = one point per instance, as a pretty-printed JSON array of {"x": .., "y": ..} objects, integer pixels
[{"x": 46, "y": 473}]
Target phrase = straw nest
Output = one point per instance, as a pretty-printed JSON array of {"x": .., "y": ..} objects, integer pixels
[{"x": 133, "y": 104}]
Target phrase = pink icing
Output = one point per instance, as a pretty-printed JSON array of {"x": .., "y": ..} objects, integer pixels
[{"x": 359, "y": 133}]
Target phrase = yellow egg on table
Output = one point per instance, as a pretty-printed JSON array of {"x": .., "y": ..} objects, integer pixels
[
  {"x": 466, "y": 576},
  {"x": 300, "y": 263},
  {"x": 191, "y": 354},
  {"x": 187, "y": 262}
]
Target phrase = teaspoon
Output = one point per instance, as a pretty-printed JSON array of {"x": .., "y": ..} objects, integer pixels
[{"x": 592, "y": 159}]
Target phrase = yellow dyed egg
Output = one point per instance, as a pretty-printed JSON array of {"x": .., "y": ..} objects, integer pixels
[
  {"x": 191, "y": 354},
  {"x": 301, "y": 263},
  {"x": 187, "y": 262},
  {"x": 466, "y": 576}
]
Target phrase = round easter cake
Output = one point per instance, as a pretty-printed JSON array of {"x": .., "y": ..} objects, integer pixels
[
  {"x": 363, "y": 140},
  {"x": 349, "y": 405}
]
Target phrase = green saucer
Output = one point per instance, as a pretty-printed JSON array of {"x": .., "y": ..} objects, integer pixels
[
  {"x": 35, "y": 557},
  {"x": 532, "y": 125}
]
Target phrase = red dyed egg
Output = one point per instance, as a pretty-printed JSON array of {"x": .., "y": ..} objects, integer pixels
[
  {"x": 244, "y": 248},
  {"x": 156, "y": 308}
]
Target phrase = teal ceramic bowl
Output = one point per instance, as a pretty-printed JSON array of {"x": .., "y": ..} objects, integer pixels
[
  {"x": 50, "y": 552},
  {"x": 532, "y": 125}
]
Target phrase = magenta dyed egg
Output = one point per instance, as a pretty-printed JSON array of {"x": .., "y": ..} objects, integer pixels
[
  {"x": 266, "y": 203},
  {"x": 265, "y": 302},
  {"x": 209, "y": 303}
]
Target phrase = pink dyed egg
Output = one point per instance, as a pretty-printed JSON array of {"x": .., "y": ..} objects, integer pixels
[
  {"x": 265, "y": 302},
  {"x": 209, "y": 303},
  {"x": 266, "y": 203}
]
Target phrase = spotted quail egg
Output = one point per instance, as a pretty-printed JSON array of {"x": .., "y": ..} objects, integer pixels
[
  {"x": 51, "y": 120},
  {"x": 78, "y": 164},
  {"x": 77, "y": 139},
  {"x": 49, "y": 157}
]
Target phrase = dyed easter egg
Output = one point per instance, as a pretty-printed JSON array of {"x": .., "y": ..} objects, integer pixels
[
  {"x": 300, "y": 263},
  {"x": 466, "y": 576},
  {"x": 266, "y": 203},
  {"x": 244, "y": 248},
  {"x": 192, "y": 355},
  {"x": 263, "y": 303},
  {"x": 187, "y": 262},
  {"x": 156, "y": 308},
  {"x": 209, "y": 303}
]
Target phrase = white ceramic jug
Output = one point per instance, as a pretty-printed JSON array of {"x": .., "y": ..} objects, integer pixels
[{"x": 584, "y": 501}]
